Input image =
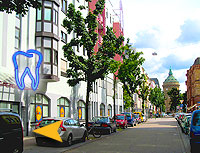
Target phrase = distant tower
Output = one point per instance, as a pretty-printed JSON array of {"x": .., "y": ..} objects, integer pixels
[{"x": 168, "y": 84}]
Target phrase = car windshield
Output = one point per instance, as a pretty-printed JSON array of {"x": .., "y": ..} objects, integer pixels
[
  {"x": 120, "y": 117},
  {"x": 196, "y": 119},
  {"x": 46, "y": 122},
  {"x": 136, "y": 115},
  {"x": 100, "y": 119}
]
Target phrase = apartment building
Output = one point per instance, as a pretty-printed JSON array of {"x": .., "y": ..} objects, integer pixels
[{"x": 42, "y": 30}]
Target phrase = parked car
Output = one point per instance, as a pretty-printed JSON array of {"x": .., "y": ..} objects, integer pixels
[
  {"x": 140, "y": 115},
  {"x": 104, "y": 124},
  {"x": 195, "y": 131},
  {"x": 185, "y": 124},
  {"x": 121, "y": 120},
  {"x": 69, "y": 131},
  {"x": 11, "y": 133},
  {"x": 130, "y": 118}
]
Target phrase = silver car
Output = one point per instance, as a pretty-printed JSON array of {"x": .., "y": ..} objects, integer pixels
[{"x": 69, "y": 131}]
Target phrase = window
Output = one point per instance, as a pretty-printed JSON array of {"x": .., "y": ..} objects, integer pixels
[
  {"x": 64, "y": 6},
  {"x": 17, "y": 32},
  {"x": 47, "y": 14},
  {"x": 39, "y": 14},
  {"x": 63, "y": 107},
  {"x": 106, "y": 13},
  {"x": 81, "y": 110},
  {"x": 39, "y": 107},
  {"x": 102, "y": 110},
  {"x": 63, "y": 37},
  {"x": 47, "y": 55},
  {"x": 63, "y": 65}
]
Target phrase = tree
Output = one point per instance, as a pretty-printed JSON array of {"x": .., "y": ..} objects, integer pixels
[
  {"x": 19, "y": 6},
  {"x": 183, "y": 96},
  {"x": 113, "y": 68},
  {"x": 157, "y": 98},
  {"x": 97, "y": 63},
  {"x": 130, "y": 73},
  {"x": 143, "y": 91},
  {"x": 175, "y": 98}
]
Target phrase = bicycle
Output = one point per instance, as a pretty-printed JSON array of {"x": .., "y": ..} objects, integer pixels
[{"x": 93, "y": 131}]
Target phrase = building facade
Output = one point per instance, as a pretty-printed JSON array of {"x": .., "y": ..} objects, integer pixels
[
  {"x": 193, "y": 85},
  {"x": 169, "y": 83},
  {"x": 42, "y": 30}
]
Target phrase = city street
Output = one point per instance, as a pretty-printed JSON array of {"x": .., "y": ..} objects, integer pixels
[{"x": 162, "y": 135}]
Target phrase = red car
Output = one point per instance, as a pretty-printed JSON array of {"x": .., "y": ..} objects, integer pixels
[{"x": 121, "y": 120}]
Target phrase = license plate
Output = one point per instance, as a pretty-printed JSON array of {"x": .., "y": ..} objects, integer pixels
[{"x": 96, "y": 124}]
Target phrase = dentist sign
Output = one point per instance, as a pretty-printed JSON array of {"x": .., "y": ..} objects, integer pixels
[{"x": 34, "y": 81}]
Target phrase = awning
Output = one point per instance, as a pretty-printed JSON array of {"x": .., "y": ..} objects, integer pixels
[{"x": 7, "y": 79}]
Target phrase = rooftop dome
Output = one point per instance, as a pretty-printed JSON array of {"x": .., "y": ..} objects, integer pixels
[
  {"x": 171, "y": 78},
  {"x": 197, "y": 61}
]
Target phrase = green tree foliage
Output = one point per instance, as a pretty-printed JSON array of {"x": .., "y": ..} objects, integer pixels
[
  {"x": 175, "y": 98},
  {"x": 183, "y": 96},
  {"x": 143, "y": 91},
  {"x": 96, "y": 65},
  {"x": 157, "y": 98},
  {"x": 130, "y": 73},
  {"x": 19, "y": 6}
]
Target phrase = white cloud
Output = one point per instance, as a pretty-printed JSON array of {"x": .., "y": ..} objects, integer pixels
[{"x": 156, "y": 25}]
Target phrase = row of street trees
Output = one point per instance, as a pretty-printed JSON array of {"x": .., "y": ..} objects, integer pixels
[{"x": 97, "y": 64}]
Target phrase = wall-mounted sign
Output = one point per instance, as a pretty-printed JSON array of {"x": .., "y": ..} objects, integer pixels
[
  {"x": 80, "y": 113},
  {"x": 20, "y": 81},
  {"x": 62, "y": 111},
  {"x": 38, "y": 113}
]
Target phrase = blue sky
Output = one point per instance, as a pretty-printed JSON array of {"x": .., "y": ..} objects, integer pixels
[{"x": 169, "y": 27}]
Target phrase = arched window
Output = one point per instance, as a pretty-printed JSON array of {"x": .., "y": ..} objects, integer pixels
[
  {"x": 63, "y": 107},
  {"x": 102, "y": 110},
  {"x": 109, "y": 110},
  {"x": 39, "y": 108},
  {"x": 81, "y": 110}
]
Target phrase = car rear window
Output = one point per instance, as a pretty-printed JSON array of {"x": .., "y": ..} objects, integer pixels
[
  {"x": 119, "y": 117},
  {"x": 9, "y": 122},
  {"x": 196, "y": 119},
  {"x": 47, "y": 122}
]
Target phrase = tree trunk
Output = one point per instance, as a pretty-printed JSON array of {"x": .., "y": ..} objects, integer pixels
[
  {"x": 142, "y": 106},
  {"x": 87, "y": 103},
  {"x": 114, "y": 85}
]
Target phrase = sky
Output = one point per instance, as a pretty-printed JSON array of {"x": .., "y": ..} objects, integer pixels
[{"x": 171, "y": 28}]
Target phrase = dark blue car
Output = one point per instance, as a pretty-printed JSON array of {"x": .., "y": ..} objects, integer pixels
[
  {"x": 131, "y": 120},
  {"x": 195, "y": 131}
]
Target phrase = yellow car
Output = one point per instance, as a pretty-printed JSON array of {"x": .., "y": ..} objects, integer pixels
[{"x": 140, "y": 114}]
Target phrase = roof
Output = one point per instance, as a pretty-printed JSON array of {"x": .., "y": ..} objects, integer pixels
[
  {"x": 197, "y": 61},
  {"x": 171, "y": 78},
  {"x": 156, "y": 81}
]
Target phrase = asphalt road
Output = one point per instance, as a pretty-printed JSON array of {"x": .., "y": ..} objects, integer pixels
[{"x": 154, "y": 136}]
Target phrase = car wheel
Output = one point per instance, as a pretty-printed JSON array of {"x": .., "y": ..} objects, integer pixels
[
  {"x": 38, "y": 141},
  {"x": 84, "y": 137},
  {"x": 69, "y": 140},
  {"x": 135, "y": 124}
]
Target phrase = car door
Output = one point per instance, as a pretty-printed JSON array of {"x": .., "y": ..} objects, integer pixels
[{"x": 80, "y": 130}]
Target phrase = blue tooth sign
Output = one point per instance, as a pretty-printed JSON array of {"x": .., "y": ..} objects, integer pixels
[{"x": 29, "y": 54}]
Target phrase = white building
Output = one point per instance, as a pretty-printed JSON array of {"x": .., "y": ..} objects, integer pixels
[{"x": 42, "y": 30}]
